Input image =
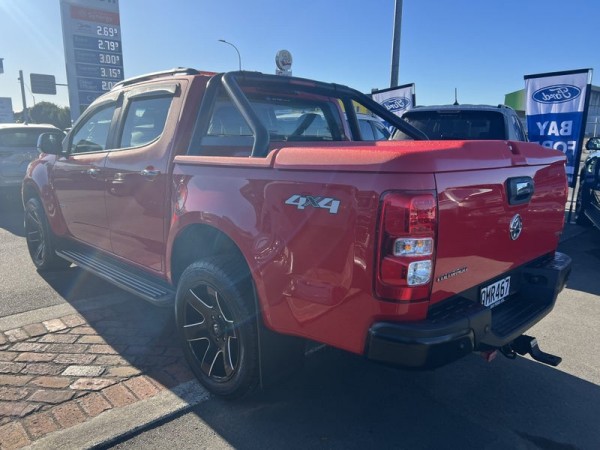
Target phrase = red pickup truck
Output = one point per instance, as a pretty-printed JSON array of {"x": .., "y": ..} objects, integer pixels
[{"x": 254, "y": 204}]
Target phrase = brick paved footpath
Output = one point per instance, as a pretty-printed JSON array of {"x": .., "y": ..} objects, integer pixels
[{"x": 66, "y": 371}]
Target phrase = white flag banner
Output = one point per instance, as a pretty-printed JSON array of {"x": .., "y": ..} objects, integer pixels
[
  {"x": 556, "y": 108},
  {"x": 397, "y": 99}
]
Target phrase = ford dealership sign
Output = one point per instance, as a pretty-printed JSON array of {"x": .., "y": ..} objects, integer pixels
[
  {"x": 397, "y": 99},
  {"x": 556, "y": 113},
  {"x": 397, "y": 104},
  {"x": 558, "y": 93}
]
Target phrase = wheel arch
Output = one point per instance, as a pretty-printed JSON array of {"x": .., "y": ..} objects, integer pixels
[
  {"x": 29, "y": 190},
  {"x": 197, "y": 241}
]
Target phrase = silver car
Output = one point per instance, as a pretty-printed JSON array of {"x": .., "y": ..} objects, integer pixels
[
  {"x": 372, "y": 128},
  {"x": 18, "y": 147}
]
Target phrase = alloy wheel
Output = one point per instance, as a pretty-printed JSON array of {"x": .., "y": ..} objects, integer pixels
[{"x": 210, "y": 332}]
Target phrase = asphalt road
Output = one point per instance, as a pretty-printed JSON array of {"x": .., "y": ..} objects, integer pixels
[
  {"x": 340, "y": 401},
  {"x": 22, "y": 288}
]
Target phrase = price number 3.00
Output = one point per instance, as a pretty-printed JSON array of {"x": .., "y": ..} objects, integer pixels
[{"x": 107, "y": 58}]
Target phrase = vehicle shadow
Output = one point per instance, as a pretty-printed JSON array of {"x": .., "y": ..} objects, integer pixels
[
  {"x": 135, "y": 334},
  {"x": 340, "y": 401},
  {"x": 11, "y": 214},
  {"x": 584, "y": 274}
]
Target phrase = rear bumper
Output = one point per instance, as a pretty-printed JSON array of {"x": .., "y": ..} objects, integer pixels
[{"x": 461, "y": 325}]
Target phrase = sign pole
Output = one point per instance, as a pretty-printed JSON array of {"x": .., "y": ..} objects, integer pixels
[
  {"x": 579, "y": 151},
  {"x": 396, "y": 44},
  {"x": 22, "y": 81}
]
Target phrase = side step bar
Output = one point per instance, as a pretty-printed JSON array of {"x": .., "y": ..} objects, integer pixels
[{"x": 155, "y": 292}]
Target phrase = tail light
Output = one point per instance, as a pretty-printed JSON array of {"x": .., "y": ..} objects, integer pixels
[{"x": 406, "y": 251}]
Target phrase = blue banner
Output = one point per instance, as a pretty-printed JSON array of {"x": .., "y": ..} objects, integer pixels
[
  {"x": 559, "y": 131},
  {"x": 556, "y": 109}
]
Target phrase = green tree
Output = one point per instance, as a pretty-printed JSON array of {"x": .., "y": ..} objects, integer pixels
[{"x": 46, "y": 112}]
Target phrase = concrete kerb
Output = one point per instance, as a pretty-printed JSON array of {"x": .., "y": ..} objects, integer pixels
[{"x": 120, "y": 422}]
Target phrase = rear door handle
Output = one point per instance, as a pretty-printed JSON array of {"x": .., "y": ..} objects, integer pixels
[{"x": 150, "y": 173}]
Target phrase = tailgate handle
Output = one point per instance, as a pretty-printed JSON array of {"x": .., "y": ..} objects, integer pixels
[{"x": 520, "y": 190}]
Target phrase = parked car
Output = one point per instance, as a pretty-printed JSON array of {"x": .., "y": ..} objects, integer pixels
[
  {"x": 372, "y": 128},
  {"x": 18, "y": 147},
  {"x": 587, "y": 209},
  {"x": 467, "y": 122}
]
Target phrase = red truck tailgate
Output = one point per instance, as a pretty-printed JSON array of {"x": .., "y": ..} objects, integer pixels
[{"x": 475, "y": 216}]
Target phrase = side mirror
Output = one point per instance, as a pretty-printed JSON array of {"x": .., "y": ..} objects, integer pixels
[
  {"x": 50, "y": 143},
  {"x": 593, "y": 144}
]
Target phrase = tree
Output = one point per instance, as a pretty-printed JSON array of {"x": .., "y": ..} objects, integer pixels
[{"x": 46, "y": 112}]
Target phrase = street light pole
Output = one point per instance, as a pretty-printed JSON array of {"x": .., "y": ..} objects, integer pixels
[
  {"x": 396, "y": 44},
  {"x": 236, "y": 49}
]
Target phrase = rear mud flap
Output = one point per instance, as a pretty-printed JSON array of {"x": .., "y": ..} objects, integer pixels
[{"x": 280, "y": 355}]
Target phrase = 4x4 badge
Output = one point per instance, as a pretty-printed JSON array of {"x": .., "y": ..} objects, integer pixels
[
  {"x": 516, "y": 226},
  {"x": 302, "y": 201}
]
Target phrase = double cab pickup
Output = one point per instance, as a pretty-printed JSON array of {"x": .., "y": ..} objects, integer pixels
[{"x": 256, "y": 206}]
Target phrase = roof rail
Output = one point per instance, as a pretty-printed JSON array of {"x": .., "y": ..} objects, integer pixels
[{"x": 162, "y": 73}]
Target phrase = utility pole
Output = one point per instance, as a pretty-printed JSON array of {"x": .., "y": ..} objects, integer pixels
[
  {"x": 396, "y": 44},
  {"x": 25, "y": 113}
]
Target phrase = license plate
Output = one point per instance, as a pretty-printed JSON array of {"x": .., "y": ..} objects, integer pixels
[{"x": 495, "y": 293}]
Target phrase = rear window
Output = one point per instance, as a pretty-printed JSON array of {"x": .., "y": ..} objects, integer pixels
[
  {"x": 286, "y": 118},
  {"x": 20, "y": 138},
  {"x": 461, "y": 125}
]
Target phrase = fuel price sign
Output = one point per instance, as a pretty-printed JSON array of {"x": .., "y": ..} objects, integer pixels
[{"x": 93, "y": 52}]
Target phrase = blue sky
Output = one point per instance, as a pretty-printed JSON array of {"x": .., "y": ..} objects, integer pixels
[{"x": 481, "y": 47}]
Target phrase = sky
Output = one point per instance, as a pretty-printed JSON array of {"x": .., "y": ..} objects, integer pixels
[{"x": 483, "y": 48}]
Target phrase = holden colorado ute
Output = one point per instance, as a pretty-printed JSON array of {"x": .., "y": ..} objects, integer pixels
[{"x": 255, "y": 205}]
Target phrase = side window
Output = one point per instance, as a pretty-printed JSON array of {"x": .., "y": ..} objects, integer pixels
[
  {"x": 518, "y": 129},
  {"x": 145, "y": 120},
  {"x": 381, "y": 132},
  {"x": 365, "y": 130},
  {"x": 92, "y": 134}
]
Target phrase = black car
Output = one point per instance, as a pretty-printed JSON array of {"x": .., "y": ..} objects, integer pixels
[{"x": 587, "y": 210}]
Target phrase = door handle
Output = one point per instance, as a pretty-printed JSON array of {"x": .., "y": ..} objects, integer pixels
[
  {"x": 150, "y": 173},
  {"x": 93, "y": 172}
]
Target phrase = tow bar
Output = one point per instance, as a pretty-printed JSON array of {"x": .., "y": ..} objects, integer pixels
[{"x": 526, "y": 344}]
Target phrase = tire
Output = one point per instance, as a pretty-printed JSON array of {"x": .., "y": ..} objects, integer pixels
[
  {"x": 215, "y": 314},
  {"x": 40, "y": 240},
  {"x": 580, "y": 217}
]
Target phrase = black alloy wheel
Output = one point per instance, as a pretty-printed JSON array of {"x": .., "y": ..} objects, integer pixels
[
  {"x": 40, "y": 239},
  {"x": 214, "y": 311}
]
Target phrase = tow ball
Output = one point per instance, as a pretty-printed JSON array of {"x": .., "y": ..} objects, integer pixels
[{"x": 528, "y": 345}]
